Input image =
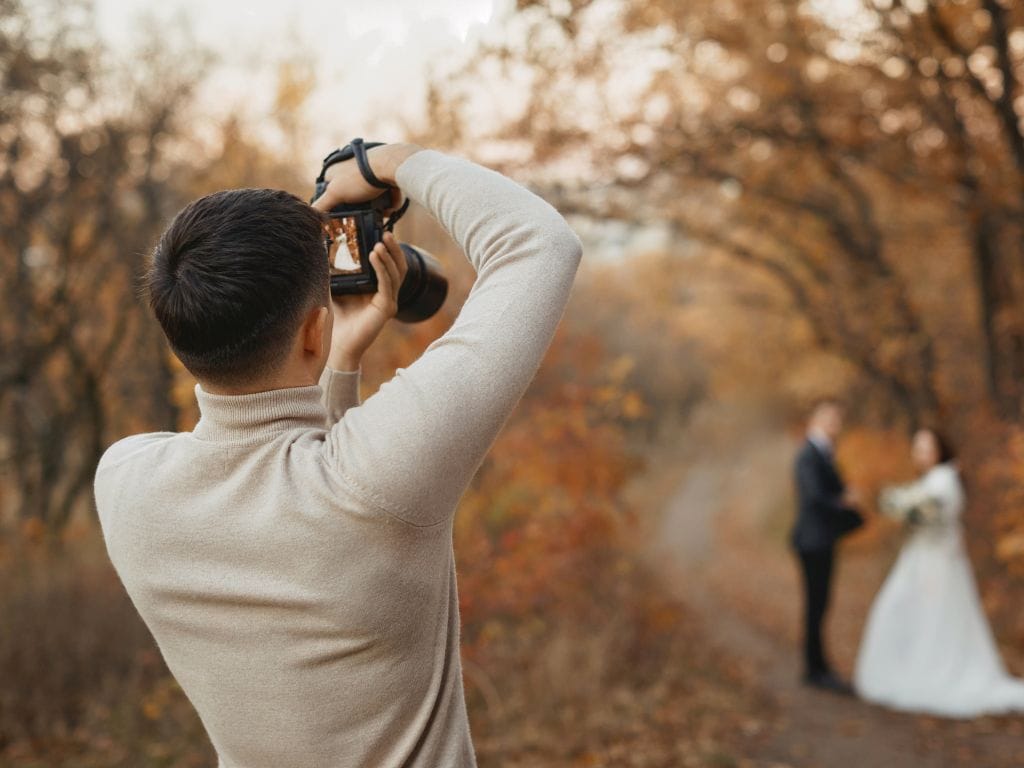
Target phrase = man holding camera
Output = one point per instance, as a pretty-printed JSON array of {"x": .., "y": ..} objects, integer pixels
[{"x": 292, "y": 555}]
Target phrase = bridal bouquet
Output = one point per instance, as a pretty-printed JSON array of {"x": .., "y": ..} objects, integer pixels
[{"x": 909, "y": 504}]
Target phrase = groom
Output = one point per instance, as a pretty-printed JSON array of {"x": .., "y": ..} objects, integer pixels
[{"x": 826, "y": 511}]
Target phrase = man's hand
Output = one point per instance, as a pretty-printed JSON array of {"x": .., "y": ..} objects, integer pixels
[
  {"x": 345, "y": 184},
  {"x": 359, "y": 318},
  {"x": 853, "y": 498}
]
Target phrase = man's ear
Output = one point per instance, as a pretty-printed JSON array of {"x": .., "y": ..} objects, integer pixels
[{"x": 313, "y": 332}]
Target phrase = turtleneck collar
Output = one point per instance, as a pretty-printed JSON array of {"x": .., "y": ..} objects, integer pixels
[{"x": 255, "y": 417}]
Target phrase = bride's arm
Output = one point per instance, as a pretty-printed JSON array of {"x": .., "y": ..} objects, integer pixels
[{"x": 944, "y": 488}]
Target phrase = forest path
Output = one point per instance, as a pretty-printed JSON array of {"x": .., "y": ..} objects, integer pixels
[{"x": 719, "y": 544}]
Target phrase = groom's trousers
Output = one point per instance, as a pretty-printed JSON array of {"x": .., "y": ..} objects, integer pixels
[{"x": 817, "y": 571}]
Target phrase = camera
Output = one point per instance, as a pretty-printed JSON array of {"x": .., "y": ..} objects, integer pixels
[{"x": 352, "y": 232}]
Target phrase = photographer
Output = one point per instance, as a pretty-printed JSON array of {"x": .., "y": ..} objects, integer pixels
[{"x": 292, "y": 555}]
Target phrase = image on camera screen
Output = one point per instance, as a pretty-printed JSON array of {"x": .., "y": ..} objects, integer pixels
[{"x": 343, "y": 253}]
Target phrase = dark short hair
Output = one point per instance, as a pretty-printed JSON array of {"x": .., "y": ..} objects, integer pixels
[{"x": 232, "y": 277}]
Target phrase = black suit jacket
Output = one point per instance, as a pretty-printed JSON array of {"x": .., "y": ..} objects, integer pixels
[{"x": 822, "y": 517}]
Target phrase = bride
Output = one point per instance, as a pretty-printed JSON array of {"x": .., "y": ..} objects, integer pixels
[{"x": 927, "y": 646}]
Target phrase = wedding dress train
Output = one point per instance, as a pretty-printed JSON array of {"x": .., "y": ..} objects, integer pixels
[{"x": 927, "y": 646}]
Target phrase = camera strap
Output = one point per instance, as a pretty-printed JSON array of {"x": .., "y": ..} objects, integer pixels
[
  {"x": 354, "y": 149},
  {"x": 357, "y": 149}
]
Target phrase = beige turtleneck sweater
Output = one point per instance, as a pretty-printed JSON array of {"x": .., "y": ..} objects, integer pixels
[{"x": 292, "y": 555}]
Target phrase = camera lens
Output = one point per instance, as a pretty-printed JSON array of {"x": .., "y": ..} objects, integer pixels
[{"x": 424, "y": 289}]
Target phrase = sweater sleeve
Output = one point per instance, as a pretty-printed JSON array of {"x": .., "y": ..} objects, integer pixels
[
  {"x": 412, "y": 448},
  {"x": 951, "y": 496},
  {"x": 942, "y": 486},
  {"x": 340, "y": 392}
]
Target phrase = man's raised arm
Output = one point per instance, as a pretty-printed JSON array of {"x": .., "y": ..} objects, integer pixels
[{"x": 412, "y": 448}]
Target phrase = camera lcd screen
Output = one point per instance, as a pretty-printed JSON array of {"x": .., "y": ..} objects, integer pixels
[{"x": 343, "y": 251}]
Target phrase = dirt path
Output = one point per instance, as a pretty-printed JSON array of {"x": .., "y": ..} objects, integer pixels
[{"x": 721, "y": 550}]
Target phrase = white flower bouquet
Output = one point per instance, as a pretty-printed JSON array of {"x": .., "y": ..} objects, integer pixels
[{"x": 909, "y": 504}]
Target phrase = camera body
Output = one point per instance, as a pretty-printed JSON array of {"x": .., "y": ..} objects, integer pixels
[
  {"x": 353, "y": 229},
  {"x": 352, "y": 232}
]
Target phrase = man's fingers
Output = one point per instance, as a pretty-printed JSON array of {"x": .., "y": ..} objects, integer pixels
[
  {"x": 378, "y": 258},
  {"x": 385, "y": 283},
  {"x": 331, "y": 196},
  {"x": 345, "y": 184},
  {"x": 395, "y": 266},
  {"x": 397, "y": 255}
]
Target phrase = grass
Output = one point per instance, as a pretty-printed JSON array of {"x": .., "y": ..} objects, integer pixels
[{"x": 82, "y": 684}]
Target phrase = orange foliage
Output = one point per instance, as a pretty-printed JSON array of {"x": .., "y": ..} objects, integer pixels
[
  {"x": 543, "y": 522},
  {"x": 872, "y": 459}
]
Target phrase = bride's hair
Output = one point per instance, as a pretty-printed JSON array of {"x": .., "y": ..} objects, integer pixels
[{"x": 946, "y": 450}]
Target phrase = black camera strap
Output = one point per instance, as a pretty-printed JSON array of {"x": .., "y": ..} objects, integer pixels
[
  {"x": 354, "y": 149},
  {"x": 357, "y": 149}
]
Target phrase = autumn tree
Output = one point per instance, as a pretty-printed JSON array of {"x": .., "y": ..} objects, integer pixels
[
  {"x": 85, "y": 162},
  {"x": 839, "y": 154},
  {"x": 858, "y": 165}
]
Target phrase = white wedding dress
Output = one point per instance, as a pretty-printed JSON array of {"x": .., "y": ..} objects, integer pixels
[{"x": 927, "y": 646}]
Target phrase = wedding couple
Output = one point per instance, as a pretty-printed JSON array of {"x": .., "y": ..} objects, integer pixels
[{"x": 927, "y": 646}]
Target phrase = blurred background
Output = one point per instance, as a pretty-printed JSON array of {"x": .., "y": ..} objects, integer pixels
[{"x": 779, "y": 200}]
